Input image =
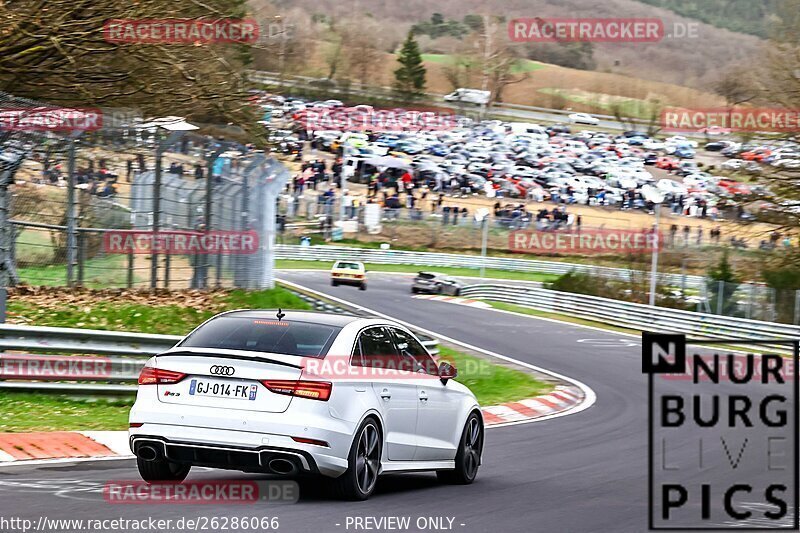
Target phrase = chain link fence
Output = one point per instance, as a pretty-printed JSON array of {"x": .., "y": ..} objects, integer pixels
[{"x": 68, "y": 196}]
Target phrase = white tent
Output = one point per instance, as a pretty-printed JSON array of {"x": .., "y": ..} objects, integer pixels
[{"x": 385, "y": 162}]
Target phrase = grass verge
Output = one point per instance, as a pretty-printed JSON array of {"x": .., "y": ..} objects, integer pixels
[
  {"x": 24, "y": 412},
  {"x": 98, "y": 273},
  {"x": 452, "y": 271},
  {"x": 173, "y": 319},
  {"x": 493, "y": 384}
]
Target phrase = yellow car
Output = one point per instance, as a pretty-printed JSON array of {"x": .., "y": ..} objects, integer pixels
[
  {"x": 349, "y": 273},
  {"x": 354, "y": 140}
]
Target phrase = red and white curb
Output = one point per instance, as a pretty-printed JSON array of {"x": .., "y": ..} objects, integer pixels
[
  {"x": 453, "y": 300},
  {"x": 54, "y": 445},
  {"x": 561, "y": 399}
]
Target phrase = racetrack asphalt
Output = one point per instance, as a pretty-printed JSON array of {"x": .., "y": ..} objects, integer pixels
[{"x": 578, "y": 473}]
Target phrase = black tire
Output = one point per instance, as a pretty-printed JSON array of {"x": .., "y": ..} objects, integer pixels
[
  {"x": 353, "y": 485},
  {"x": 468, "y": 457},
  {"x": 457, "y": 292},
  {"x": 334, "y": 283},
  {"x": 362, "y": 287},
  {"x": 162, "y": 470},
  {"x": 414, "y": 290}
]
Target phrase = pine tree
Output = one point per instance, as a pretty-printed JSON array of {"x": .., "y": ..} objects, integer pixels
[
  {"x": 410, "y": 77},
  {"x": 722, "y": 283}
]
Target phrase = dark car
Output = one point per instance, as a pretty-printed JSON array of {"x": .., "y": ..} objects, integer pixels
[
  {"x": 433, "y": 283},
  {"x": 557, "y": 128},
  {"x": 716, "y": 146}
]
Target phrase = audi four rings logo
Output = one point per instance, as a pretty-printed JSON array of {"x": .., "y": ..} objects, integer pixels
[{"x": 222, "y": 370}]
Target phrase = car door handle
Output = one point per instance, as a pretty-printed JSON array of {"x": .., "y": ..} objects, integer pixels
[
  {"x": 385, "y": 394},
  {"x": 423, "y": 397}
]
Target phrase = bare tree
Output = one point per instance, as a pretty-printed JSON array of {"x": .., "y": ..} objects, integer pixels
[
  {"x": 652, "y": 116},
  {"x": 496, "y": 59},
  {"x": 57, "y": 51},
  {"x": 333, "y": 53},
  {"x": 364, "y": 42},
  {"x": 459, "y": 71}
]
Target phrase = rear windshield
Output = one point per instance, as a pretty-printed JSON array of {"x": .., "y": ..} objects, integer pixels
[
  {"x": 349, "y": 266},
  {"x": 426, "y": 275},
  {"x": 263, "y": 335}
]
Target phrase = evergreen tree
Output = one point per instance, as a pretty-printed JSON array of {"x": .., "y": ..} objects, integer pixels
[
  {"x": 410, "y": 77},
  {"x": 722, "y": 284}
]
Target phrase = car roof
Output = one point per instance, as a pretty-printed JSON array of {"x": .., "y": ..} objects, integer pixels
[{"x": 315, "y": 317}]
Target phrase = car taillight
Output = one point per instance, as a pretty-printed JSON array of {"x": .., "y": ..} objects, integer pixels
[
  {"x": 313, "y": 390},
  {"x": 153, "y": 376}
]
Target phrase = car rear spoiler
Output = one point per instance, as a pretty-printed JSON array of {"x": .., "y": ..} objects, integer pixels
[{"x": 258, "y": 358}]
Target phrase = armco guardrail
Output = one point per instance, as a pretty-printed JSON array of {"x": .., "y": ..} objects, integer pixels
[
  {"x": 433, "y": 259},
  {"x": 633, "y": 315},
  {"x": 100, "y": 375},
  {"x": 73, "y": 340}
]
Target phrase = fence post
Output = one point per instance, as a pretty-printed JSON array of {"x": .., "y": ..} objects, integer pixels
[
  {"x": 71, "y": 220},
  {"x": 130, "y": 270},
  {"x": 773, "y": 315},
  {"x": 796, "y": 316},
  {"x": 720, "y": 296},
  {"x": 81, "y": 257},
  {"x": 166, "y": 270},
  {"x": 683, "y": 278},
  {"x": 239, "y": 261},
  {"x": 208, "y": 215},
  {"x": 156, "y": 211}
]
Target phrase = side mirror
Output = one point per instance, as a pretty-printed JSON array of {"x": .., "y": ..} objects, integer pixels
[{"x": 446, "y": 372}]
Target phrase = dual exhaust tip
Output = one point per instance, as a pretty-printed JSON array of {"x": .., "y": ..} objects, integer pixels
[
  {"x": 147, "y": 453},
  {"x": 278, "y": 465}
]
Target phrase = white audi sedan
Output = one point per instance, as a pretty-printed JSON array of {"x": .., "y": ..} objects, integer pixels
[{"x": 304, "y": 393}]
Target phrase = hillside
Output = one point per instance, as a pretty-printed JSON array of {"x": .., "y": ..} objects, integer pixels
[
  {"x": 547, "y": 86},
  {"x": 743, "y": 16},
  {"x": 692, "y": 62}
]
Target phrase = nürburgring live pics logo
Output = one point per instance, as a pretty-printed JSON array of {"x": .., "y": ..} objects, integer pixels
[{"x": 722, "y": 433}]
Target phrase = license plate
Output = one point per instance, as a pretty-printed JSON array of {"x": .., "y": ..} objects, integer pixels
[{"x": 222, "y": 389}]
